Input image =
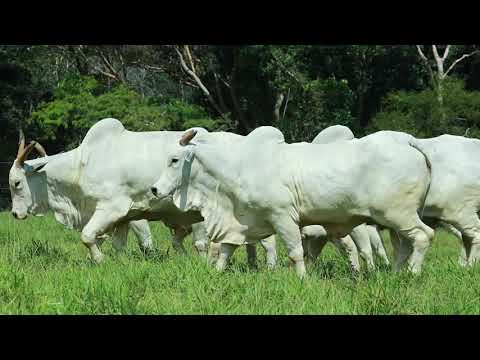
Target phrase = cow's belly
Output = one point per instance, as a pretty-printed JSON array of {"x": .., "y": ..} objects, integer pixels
[
  {"x": 163, "y": 211},
  {"x": 338, "y": 222}
]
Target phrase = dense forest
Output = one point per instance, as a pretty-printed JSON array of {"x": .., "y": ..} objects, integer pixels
[{"x": 56, "y": 92}]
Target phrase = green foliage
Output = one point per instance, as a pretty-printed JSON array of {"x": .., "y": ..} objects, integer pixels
[
  {"x": 418, "y": 113},
  {"x": 319, "y": 104},
  {"x": 81, "y": 102}
]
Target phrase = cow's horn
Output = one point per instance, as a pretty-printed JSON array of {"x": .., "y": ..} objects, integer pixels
[
  {"x": 187, "y": 137},
  {"x": 40, "y": 149},
  {"x": 21, "y": 143},
  {"x": 23, "y": 156}
]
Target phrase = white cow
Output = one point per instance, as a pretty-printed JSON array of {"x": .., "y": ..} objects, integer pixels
[
  {"x": 103, "y": 186},
  {"x": 339, "y": 185},
  {"x": 454, "y": 196},
  {"x": 364, "y": 237}
]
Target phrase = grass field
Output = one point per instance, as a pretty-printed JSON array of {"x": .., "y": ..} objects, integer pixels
[{"x": 44, "y": 270}]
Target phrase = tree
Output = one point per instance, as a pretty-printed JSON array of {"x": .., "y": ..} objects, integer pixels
[
  {"x": 417, "y": 113},
  {"x": 80, "y": 103},
  {"x": 439, "y": 75}
]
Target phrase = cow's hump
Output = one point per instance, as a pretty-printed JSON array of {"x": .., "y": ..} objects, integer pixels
[
  {"x": 266, "y": 134},
  {"x": 101, "y": 130},
  {"x": 332, "y": 134},
  {"x": 98, "y": 134}
]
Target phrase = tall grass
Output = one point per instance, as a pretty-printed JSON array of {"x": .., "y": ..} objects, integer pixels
[{"x": 44, "y": 270}]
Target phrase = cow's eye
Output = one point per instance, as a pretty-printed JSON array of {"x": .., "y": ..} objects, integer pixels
[
  {"x": 16, "y": 184},
  {"x": 174, "y": 161}
]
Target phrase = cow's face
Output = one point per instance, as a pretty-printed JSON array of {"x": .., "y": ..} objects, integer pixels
[
  {"x": 177, "y": 172},
  {"x": 25, "y": 181},
  {"x": 27, "y": 189}
]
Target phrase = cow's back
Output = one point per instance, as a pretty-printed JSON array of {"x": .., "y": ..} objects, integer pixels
[{"x": 353, "y": 177}]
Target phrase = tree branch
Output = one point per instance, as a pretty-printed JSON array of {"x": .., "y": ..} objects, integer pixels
[
  {"x": 439, "y": 61},
  {"x": 278, "y": 105},
  {"x": 460, "y": 59},
  {"x": 445, "y": 54},
  {"x": 199, "y": 82},
  {"x": 424, "y": 58},
  {"x": 189, "y": 56},
  {"x": 219, "y": 93},
  {"x": 286, "y": 104}
]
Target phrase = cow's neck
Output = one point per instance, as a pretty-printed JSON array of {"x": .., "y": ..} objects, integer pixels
[
  {"x": 207, "y": 195},
  {"x": 64, "y": 197}
]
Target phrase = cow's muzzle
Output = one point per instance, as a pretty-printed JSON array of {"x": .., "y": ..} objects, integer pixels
[
  {"x": 158, "y": 195},
  {"x": 18, "y": 216}
]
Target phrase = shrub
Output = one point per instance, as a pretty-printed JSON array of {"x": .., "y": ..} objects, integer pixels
[
  {"x": 419, "y": 113},
  {"x": 81, "y": 102}
]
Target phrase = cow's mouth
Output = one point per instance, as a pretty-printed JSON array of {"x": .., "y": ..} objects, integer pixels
[
  {"x": 164, "y": 196},
  {"x": 19, "y": 216},
  {"x": 159, "y": 196}
]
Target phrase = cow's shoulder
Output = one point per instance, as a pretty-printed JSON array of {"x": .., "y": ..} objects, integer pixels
[{"x": 101, "y": 130}]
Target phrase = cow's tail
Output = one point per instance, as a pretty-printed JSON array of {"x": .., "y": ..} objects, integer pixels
[{"x": 414, "y": 143}]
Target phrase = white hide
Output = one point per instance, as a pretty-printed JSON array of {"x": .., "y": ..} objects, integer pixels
[
  {"x": 366, "y": 242},
  {"x": 254, "y": 188},
  {"x": 454, "y": 195},
  {"x": 104, "y": 186}
]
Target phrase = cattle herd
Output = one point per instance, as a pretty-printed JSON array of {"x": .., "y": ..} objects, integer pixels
[{"x": 230, "y": 190}]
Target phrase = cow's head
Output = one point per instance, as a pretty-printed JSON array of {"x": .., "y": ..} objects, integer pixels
[
  {"x": 25, "y": 187},
  {"x": 178, "y": 168}
]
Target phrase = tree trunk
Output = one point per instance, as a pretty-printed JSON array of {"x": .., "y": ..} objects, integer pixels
[
  {"x": 278, "y": 105},
  {"x": 440, "y": 100}
]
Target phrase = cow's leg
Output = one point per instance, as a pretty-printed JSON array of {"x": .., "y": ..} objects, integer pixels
[
  {"x": 269, "y": 244},
  {"x": 464, "y": 243},
  {"x": 213, "y": 252},
  {"x": 142, "y": 232},
  {"x": 103, "y": 219},
  {"x": 361, "y": 239},
  {"x": 252, "y": 255},
  {"x": 314, "y": 247},
  {"x": 469, "y": 225},
  {"x": 377, "y": 243},
  {"x": 420, "y": 236},
  {"x": 119, "y": 237},
  {"x": 101, "y": 239},
  {"x": 314, "y": 238},
  {"x": 178, "y": 235},
  {"x": 290, "y": 233},
  {"x": 401, "y": 250},
  {"x": 226, "y": 251},
  {"x": 347, "y": 247},
  {"x": 200, "y": 238}
]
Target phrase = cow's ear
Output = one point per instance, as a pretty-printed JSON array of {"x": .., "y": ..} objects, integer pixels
[
  {"x": 36, "y": 168},
  {"x": 39, "y": 167}
]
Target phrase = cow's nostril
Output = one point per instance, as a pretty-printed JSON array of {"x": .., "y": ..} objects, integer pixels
[
  {"x": 15, "y": 215},
  {"x": 154, "y": 191}
]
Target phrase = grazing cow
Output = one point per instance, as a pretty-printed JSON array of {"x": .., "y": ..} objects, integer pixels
[
  {"x": 339, "y": 185},
  {"x": 453, "y": 200},
  {"x": 103, "y": 186},
  {"x": 29, "y": 195}
]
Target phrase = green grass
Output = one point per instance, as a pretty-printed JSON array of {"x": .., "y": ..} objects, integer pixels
[{"x": 44, "y": 270}]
